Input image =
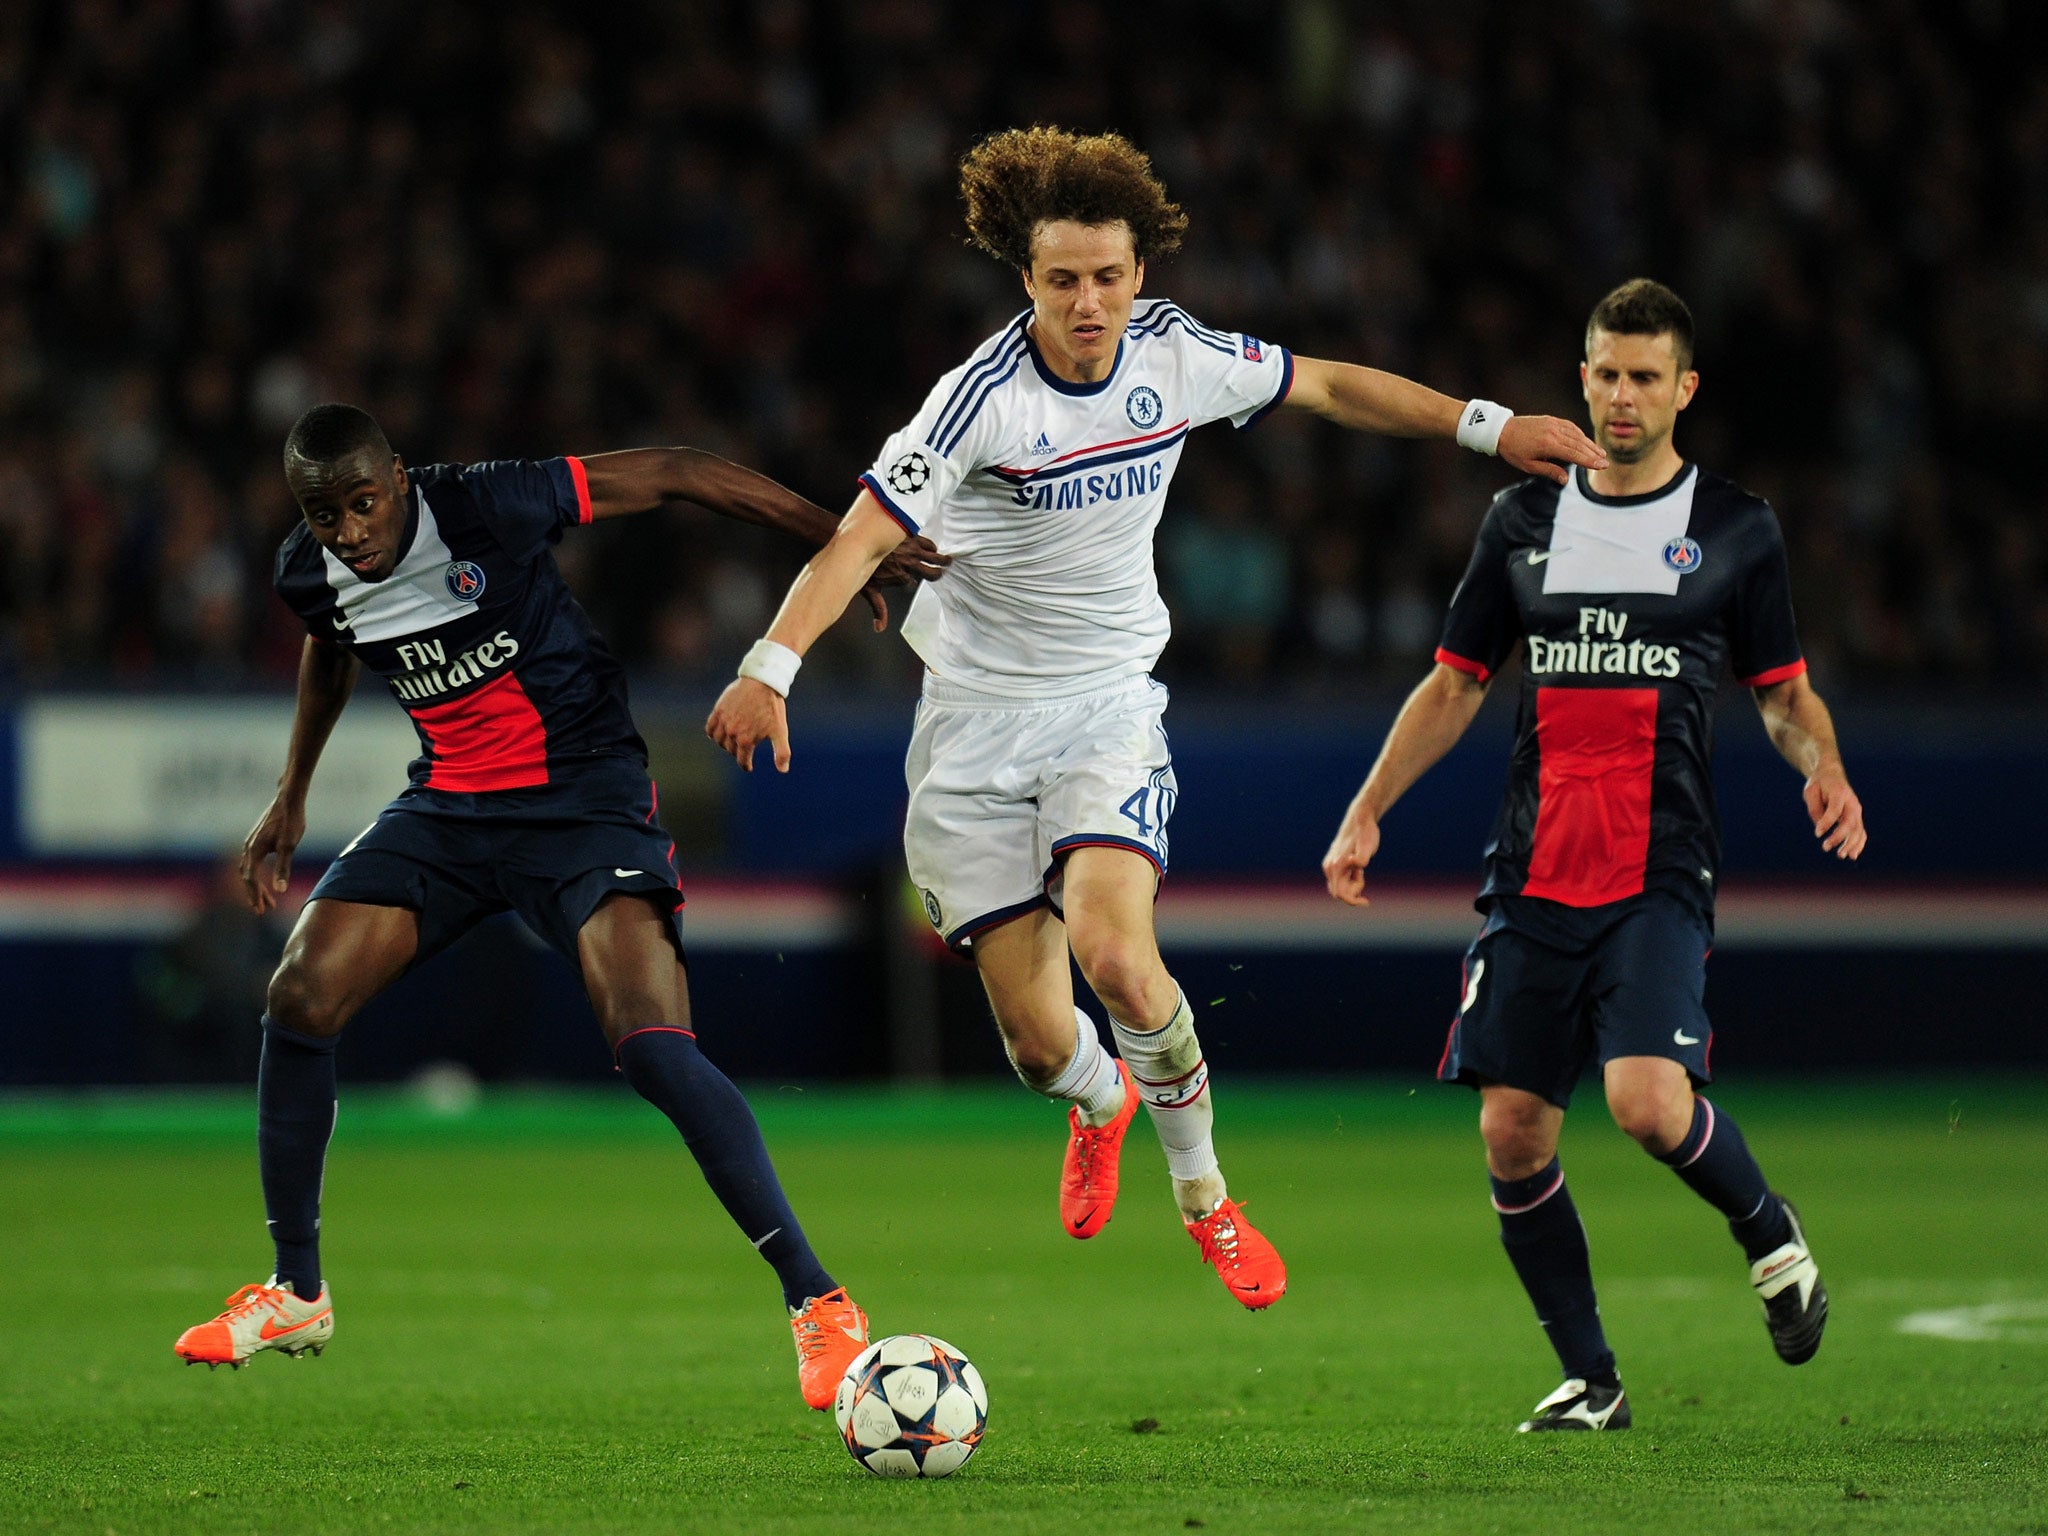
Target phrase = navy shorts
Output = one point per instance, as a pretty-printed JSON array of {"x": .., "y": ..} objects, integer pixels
[
  {"x": 550, "y": 853},
  {"x": 1549, "y": 988}
]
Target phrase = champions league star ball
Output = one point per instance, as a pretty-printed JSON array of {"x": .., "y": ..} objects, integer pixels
[{"x": 911, "y": 1406}]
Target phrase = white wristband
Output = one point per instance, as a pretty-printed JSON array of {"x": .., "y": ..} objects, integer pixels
[
  {"x": 772, "y": 664},
  {"x": 1479, "y": 426}
]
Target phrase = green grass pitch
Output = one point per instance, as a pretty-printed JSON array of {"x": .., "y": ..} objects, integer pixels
[{"x": 546, "y": 1325}]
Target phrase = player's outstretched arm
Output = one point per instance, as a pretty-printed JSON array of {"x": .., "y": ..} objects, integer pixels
[
  {"x": 751, "y": 710},
  {"x": 641, "y": 479},
  {"x": 327, "y": 676},
  {"x": 1803, "y": 731},
  {"x": 1370, "y": 400},
  {"x": 1429, "y": 725}
]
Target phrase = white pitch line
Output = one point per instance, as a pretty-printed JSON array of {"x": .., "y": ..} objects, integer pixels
[{"x": 1994, "y": 1322}]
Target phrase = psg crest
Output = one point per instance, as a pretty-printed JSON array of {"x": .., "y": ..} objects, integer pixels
[
  {"x": 466, "y": 580},
  {"x": 1143, "y": 406},
  {"x": 1682, "y": 555}
]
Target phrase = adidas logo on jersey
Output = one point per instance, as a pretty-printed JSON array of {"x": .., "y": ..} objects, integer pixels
[{"x": 1042, "y": 447}]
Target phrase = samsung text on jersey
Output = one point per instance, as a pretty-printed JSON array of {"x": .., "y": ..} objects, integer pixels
[{"x": 1085, "y": 491}]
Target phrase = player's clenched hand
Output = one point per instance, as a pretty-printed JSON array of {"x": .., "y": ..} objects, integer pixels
[
  {"x": 1837, "y": 814},
  {"x": 276, "y": 836},
  {"x": 748, "y": 713},
  {"x": 917, "y": 558},
  {"x": 1544, "y": 445},
  {"x": 1357, "y": 840}
]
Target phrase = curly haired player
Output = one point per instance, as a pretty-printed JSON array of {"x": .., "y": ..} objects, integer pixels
[{"x": 1040, "y": 781}]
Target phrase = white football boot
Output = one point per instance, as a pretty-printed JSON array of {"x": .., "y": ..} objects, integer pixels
[
  {"x": 1795, "y": 1302},
  {"x": 1576, "y": 1405},
  {"x": 260, "y": 1317}
]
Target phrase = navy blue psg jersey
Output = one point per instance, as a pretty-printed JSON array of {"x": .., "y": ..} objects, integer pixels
[
  {"x": 1630, "y": 608},
  {"x": 475, "y": 632}
]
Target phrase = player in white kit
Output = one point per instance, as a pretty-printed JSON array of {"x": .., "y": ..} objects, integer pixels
[{"x": 1040, "y": 781}]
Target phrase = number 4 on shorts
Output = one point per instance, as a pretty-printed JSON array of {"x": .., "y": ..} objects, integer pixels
[{"x": 1135, "y": 809}]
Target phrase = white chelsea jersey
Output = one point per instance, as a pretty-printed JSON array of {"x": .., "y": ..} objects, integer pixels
[{"x": 1046, "y": 494}]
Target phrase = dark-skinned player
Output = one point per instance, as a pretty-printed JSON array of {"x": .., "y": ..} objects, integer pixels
[{"x": 531, "y": 794}]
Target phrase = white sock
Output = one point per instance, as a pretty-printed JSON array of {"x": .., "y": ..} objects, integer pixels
[
  {"x": 1091, "y": 1079},
  {"x": 1173, "y": 1080}
]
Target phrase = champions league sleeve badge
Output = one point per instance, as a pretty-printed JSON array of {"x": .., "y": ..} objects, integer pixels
[
  {"x": 909, "y": 474},
  {"x": 1144, "y": 407},
  {"x": 1682, "y": 555},
  {"x": 465, "y": 580}
]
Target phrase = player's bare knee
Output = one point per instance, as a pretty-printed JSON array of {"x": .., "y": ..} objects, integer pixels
[
  {"x": 1637, "y": 1121},
  {"x": 1039, "y": 1072},
  {"x": 1038, "y": 1054},
  {"x": 633, "y": 970},
  {"x": 1653, "y": 1117},
  {"x": 300, "y": 1000},
  {"x": 1520, "y": 1140},
  {"x": 1125, "y": 975},
  {"x": 621, "y": 1010}
]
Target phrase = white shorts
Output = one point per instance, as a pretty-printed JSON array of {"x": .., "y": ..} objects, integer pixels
[{"x": 1000, "y": 789}]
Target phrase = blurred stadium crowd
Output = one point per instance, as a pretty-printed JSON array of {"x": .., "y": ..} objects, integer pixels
[{"x": 523, "y": 229}]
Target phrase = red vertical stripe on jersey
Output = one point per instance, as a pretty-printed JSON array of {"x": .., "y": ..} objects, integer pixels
[
  {"x": 490, "y": 739},
  {"x": 576, "y": 473},
  {"x": 1596, "y": 749}
]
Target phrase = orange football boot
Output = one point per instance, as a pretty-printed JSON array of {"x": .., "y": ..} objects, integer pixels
[
  {"x": 1088, "y": 1176},
  {"x": 830, "y": 1331},
  {"x": 259, "y": 1317},
  {"x": 1248, "y": 1265}
]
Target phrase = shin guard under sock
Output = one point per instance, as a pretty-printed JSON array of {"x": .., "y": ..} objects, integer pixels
[
  {"x": 1090, "y": 1080},
  {"x": 1716, "y": 1164},
  {"x": 665, "y": 1068},
  {"x": 1173, "y": 1080},
  {"x": 1546, "y": 1242},
  {"x": 295, "y": 1108}
]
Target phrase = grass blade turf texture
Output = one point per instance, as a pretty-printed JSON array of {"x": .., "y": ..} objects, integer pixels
[{"x": 546, "y": 1325}]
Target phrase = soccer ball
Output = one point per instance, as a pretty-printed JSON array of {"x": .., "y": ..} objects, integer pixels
[{"x": 911, "y": 1406}]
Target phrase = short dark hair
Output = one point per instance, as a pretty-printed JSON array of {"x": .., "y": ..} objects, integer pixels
[
  {"x": 334, "y": 431},
  {"x": 1642, "y": 306},
  {"x": 1015, "y": 180}
]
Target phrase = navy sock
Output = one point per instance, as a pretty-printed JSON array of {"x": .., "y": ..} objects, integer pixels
[
  {"x": 665, "y": 1068},
  {"x": 295, "y": 1105},
  {"x": 1546, "y": 1242},
  {"x": 1715, "y": 1162}
]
